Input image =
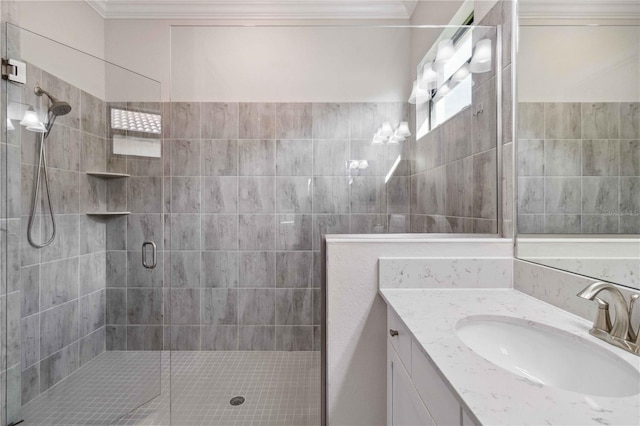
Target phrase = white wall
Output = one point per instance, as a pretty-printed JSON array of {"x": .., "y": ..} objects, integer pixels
[
  {"x": 356, "y": 316},
  {"x": 579, "y": 64},
  {"x": 290, "y": 64},
  {"x": 60, "y": 27},
  {"x": 346, "y": 64}
]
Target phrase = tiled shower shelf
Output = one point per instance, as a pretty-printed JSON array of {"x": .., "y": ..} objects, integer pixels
[
  {"x": 108, "y": 175},
  {"x": 107, "y": 213}
]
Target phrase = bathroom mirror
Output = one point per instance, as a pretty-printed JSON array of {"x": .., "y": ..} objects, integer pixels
[{"x": 578, "y": 138}]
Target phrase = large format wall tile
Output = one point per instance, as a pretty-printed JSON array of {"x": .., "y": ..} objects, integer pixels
[
  {"x": 630, "y": 120},
  {"x": 257, "y": 121},
  {"x": 219, "y": 157},
  {"x": 257, "y": 269},
  {"x": 219, "y": 120},
  {"x": 586, "y": 187},
  {"x": 294, "y": 121},
  {"x": 331, "y": 121},
  {"x": 600, "y": 120},
  {"x": 562, "y": 121},
  {"x": 294, "y": 157}
]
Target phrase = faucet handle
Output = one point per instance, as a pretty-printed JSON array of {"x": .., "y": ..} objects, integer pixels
[
  {"x": 603, "y": 320},
  {"x": 633, "y": 336}
]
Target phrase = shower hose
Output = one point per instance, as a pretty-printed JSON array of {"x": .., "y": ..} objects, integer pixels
[{"x": 41, "y": 174}]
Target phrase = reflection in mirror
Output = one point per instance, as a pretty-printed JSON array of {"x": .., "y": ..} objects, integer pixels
[{"x": 578, "y": 145}]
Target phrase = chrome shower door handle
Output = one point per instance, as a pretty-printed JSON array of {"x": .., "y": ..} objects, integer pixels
[{"x": 154, "y": 255}]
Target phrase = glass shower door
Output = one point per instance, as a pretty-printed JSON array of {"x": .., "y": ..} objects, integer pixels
[{"x": 82, "y": 254}]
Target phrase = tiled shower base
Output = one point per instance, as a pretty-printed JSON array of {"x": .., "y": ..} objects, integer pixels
[{"x": 281, "y": 388}]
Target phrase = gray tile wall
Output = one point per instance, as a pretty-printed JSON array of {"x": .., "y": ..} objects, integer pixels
[
  {"x": 57, "y": 320},
  {"x": 454, "y": 183},
  {"x": 579, "y": 168},
  {"x": 249, "y": 188}
]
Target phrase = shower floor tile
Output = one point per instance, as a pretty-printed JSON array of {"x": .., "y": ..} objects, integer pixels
[{"x": 281, "y": 388}]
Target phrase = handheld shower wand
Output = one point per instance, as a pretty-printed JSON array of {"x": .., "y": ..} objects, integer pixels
[{"x": 56, "y": 109}]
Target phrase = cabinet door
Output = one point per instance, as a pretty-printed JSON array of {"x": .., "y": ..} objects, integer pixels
[{"x": 404, "y": 407}]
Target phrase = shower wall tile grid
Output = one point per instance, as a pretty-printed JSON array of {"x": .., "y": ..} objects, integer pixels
[
  {"x": 454, "y": 185},
  {"x": 579, "y": 168},
  {"x": 57, "y": 320},
  {"x": 250, "y": 187}
]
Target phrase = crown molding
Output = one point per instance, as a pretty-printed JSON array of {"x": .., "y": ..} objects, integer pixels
[
  {"x": 579, "y": 9},
  {"x": 254, "y": 9}
]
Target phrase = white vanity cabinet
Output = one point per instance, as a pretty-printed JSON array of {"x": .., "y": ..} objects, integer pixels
[{"x": 416, "y": 395}]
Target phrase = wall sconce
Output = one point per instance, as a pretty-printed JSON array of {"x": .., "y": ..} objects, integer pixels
[{"x": 386, "y": 133}]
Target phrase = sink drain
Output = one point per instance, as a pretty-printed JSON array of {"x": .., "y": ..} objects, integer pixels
[{"x": 237, "y": 400}]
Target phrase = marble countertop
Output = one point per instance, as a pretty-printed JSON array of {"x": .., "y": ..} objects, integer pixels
[{"x": 492, "y": 394}]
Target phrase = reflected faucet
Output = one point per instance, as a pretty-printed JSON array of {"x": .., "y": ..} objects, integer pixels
[{"x": 621, "y": 333}]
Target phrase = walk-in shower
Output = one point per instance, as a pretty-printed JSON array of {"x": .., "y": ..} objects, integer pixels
[
  {"x": 236, "y": 194},
  {"x": 56, "y": 109}
]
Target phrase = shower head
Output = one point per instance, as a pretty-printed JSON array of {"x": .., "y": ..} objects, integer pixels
[{"x": 57, "y": 107}]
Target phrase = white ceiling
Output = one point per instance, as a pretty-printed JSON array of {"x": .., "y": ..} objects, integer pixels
[{"x": 254, "y": 9}]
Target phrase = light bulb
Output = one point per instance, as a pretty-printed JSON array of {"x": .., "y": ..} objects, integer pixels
[
  {"x": 481, "y": 59},
  {"x": 445, "y": 51}
]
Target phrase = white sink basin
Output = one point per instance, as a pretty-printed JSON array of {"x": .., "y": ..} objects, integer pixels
[{"x": 548, "y": 356}]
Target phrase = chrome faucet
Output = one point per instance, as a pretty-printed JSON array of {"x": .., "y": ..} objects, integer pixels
[{"x": 621, "y": 333}]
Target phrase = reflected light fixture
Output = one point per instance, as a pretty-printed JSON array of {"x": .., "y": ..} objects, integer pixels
[
  {"x": 418, "y": 95},
  {"x": 481, "y": 59},
  {"x": 403, "y": 130},
  {"x": 429, "y": 77},
  {"x": 443, "y": 90},
  {"x": 462, "y": 73},
  {"x": 386, "y": 133},
  {"x": 32, "y": 122},
  {"x": 10, "y": 125},
  {"x": 385, "y": 130},
  {"x": 445, "y": 52}
]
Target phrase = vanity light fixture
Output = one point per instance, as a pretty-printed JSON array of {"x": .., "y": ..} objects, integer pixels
[
  {"x": 481, "y": 59},
  {"x": 418, "y": 95},
  {"x": 429, "y": 77},
  {"x": 10, "y": 125},
  {"x": 462, "y": 73},
  {"x": 445, "y": 52}
]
